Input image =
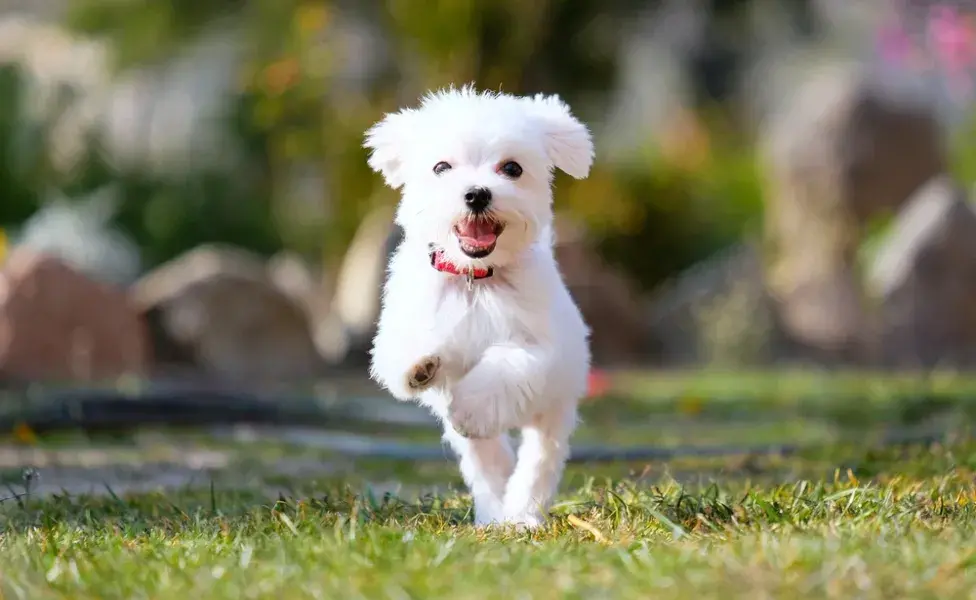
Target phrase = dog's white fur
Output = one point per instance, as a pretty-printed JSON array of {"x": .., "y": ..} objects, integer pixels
[{"x": 510, "y": 351}]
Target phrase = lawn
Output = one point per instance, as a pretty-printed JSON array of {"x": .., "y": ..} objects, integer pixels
[{"x": 837, "y": 519}]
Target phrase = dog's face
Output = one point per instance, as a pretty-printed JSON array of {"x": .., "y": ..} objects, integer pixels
[{"x": 476, "y": 169}]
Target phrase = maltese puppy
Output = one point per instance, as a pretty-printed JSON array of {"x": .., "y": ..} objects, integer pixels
[{"x": 476, "y": 322}]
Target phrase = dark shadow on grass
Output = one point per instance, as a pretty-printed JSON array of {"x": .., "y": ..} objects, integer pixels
[{"x": 172, "y": 511}]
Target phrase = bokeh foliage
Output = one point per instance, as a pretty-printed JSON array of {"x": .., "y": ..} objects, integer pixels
[{"x": 672, "y": 203}]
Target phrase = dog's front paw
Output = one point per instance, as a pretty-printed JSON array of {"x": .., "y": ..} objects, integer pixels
[{"x": 422, "y": 374}]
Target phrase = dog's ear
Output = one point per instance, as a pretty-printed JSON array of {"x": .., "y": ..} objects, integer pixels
[
  {"x": 386, "y": 142},
  {"x": 567, "y": 141}
]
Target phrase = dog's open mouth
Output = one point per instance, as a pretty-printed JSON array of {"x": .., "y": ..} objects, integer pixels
[{"x": 478, "y": 236}]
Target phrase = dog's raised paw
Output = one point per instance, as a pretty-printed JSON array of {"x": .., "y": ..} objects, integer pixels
[{"x": 422, "y": 374}]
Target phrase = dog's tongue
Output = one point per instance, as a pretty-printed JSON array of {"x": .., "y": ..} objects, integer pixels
[{"x": 477, "y": 233}]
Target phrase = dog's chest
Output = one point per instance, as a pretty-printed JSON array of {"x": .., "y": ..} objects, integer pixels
[{"x": 472, "y": 320}]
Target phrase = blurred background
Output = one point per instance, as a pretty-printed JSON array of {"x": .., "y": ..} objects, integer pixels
[{"x": 779, "y": 184}]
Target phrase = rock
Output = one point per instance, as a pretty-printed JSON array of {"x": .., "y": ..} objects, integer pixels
[
  {"x": 57, "y": 324},
  {"x": 217, "y": 309},
  {"x": 841, "y": 143},
  {"x": 611, "y": 304},
  {"x": 836, "y": 162},
  {"x": 716, "y": 313},
  {"x": 924, "y": 274},
  {"x": 293, "y": 276},
  {"x": 332, "y": 339}
]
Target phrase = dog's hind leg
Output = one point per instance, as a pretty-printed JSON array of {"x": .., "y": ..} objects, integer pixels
[
  {"x": 542, "y": 457},
  {"x": 486, "y": 465}
]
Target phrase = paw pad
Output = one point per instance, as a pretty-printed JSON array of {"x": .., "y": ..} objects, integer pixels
[{"x": 423, "y": 373}]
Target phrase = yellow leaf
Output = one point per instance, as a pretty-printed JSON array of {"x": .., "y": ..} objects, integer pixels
[
  {"x": 281, "y": 75},
  {"x": 4, "y": 246},
  {"x": 311, "y": 18},
  {"x": 585, "y": 526},
  {"x": 686, "y": 142},
  {"x": 690, "y": 405},
  {"x": 24, "y": 434},
  {"x": 288, "y": 523}
]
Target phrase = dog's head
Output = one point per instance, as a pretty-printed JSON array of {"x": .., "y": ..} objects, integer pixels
[{"x": 476, "y": 169}]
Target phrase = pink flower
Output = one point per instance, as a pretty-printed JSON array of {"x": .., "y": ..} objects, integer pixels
[{"x": 952, "y": 38}]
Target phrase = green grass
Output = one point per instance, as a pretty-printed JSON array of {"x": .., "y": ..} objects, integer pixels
[
  {"x": 891, "y": 536},
  {"x": 839, "y": 520}
]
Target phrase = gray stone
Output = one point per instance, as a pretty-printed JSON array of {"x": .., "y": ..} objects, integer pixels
[
  {"x": 716, "y": 313},
  {"x": 216, "y": 309},
  {"x": 924, "y": 276},
  {"x": 836, "y": 162}
]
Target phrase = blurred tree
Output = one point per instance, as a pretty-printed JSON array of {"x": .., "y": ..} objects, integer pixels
[
  {"x": 27, "y": 175},
  {"x": 300, "y": 106},
  {"x": 19, "y": 195},
  {"x": 300, "y": 111},
  {"x": 145, "y": 31}
]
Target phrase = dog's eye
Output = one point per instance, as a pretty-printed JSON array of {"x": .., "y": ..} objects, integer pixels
[
  {"x": 441, "y": 167},
  {"x": 511, "y": 169}
]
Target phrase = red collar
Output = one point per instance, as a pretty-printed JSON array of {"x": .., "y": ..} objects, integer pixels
[{"x": 443, "y": 264}]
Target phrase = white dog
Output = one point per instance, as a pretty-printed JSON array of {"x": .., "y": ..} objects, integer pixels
[{"x": 476, "y": 322}]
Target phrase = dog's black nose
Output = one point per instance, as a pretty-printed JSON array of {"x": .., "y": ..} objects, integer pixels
[{"x": 478, "y": 199}]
